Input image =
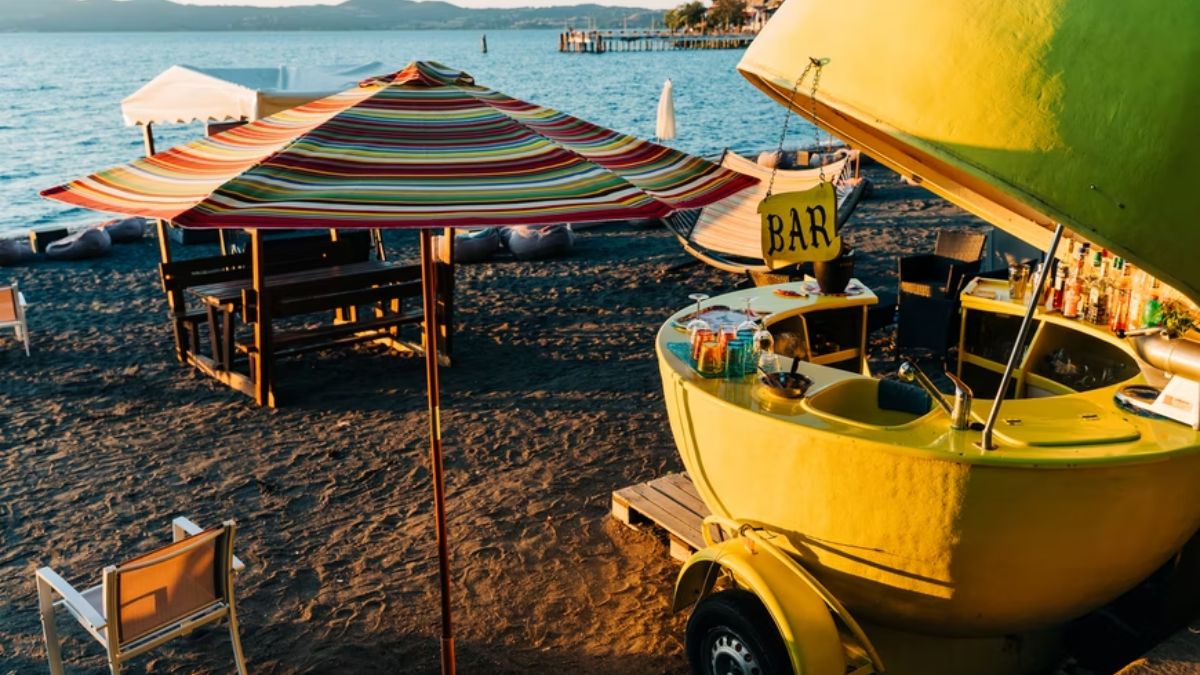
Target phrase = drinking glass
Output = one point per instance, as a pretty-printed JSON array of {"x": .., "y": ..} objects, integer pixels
[
  {"x": 711, "y": 361},
  {"x": 697, "y": 323},
  {"x": 726, "y": 334},
  {"x": 749, "y": 325},
  {"x": 766, "y": 362},
  {"x": 698, "y": 338},
  {"x": 1016, "y": 282},
  {"x": 762, "y": 347},
  {"x": 735, "y": 358}
]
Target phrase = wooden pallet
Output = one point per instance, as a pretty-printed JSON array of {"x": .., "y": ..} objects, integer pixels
[{"x": 671, "y": 503}]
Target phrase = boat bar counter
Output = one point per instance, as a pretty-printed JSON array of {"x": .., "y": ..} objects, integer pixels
[{"x": 894, "y": 506}]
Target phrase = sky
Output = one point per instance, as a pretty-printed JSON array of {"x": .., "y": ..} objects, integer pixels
[{"x": 654, "y": 4}]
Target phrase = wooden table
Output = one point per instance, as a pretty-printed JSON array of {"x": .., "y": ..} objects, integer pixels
[{"x": 340, "y": 289}]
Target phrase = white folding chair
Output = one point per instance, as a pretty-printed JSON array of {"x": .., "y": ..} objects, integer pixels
[
  {"x": 12, "y": 313},
  {"x": 154, "y": 598}
]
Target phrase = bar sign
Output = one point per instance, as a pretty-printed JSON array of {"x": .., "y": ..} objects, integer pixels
[{"x": 800, "y": 226}]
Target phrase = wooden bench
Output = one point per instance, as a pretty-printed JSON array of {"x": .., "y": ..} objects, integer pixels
[
  {"x": 387, "y": 292},
  {"x": 285, "y": 254},
  {"x": 391, "y": 292},
  {"x": 302, "y": 272},
  {"x": 179, "y": 276}
]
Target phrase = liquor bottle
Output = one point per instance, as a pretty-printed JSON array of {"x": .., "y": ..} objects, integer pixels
[
  {"x": 1152, "y": 314},
  {"x": 1047, "y": 299},
  {"x": 1098, "y": 304},
  {"x": 1070, "y": 308},
  {"x": 1137, "y": 299},
  {"x": 1031, "y": 277},
  {"x": 1118, "y": 310},
  {"x": 1068, "y": 245},
  {"x": 1060, "y": 283},
  {"x": 1098, "y": 298},
  {"x": 1090, "y": 288},
  {"x": 1112, "y": 280}
]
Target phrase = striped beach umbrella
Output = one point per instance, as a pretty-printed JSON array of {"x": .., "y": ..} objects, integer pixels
[
  {"x": 422, "y": 148},
  {"x": 419, "y": 148}
]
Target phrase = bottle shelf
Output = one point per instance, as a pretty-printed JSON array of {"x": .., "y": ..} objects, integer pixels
[{"x": 1064, "y": 356}]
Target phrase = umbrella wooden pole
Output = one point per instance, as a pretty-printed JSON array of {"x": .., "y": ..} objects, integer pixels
[
  {"x": 164, "y": 248},
  {"x": 264, "y": 351},
  {"x": 164, "y": 256},
  {"x": 429, "y": 268}
]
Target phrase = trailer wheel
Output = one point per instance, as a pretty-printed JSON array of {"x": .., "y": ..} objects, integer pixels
[{"x": 731, "y": 633}]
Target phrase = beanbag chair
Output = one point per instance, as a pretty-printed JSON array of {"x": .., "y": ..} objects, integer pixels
[
  {"x": 15, "y": 251},
  {"x": 126, "y": 230},
  {"x": 816, "y": 159},
  {"x": 778, "y": 159},
  {"x": 90, "y": 243},
  {"x": 472, "y": 246},
  {"x": 528, "y": 242}
]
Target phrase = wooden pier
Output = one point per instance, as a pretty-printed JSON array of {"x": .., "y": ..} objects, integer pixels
[{"x": 601, "y": 41}]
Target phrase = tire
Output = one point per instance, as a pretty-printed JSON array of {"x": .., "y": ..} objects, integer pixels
[{"x": 731, "y": 633}]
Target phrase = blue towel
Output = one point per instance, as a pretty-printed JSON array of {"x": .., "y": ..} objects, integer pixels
[{"x": 903, "y": 397}]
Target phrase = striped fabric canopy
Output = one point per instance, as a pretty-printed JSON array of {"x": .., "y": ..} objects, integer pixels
[{"x": 422, "y": 147}]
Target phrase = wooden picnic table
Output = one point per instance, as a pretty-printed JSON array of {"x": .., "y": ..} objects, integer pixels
[
  {"x": 340, "y": 289},
  {"x": 229, "y": 293}
]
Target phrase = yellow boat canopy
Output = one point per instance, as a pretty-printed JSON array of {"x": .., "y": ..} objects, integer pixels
[{"x": 1025, "y": 113}]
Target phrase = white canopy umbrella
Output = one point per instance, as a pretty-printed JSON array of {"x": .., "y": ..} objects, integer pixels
[
  {"x": 186, "y": 93},
  {"x": 182, "y": 94},
  {"x": 664, "y": 128}
]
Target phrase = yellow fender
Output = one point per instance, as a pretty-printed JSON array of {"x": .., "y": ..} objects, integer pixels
[{"x": 802, "y": 609}]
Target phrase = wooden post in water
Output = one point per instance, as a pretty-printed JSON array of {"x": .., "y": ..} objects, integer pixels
[{"x": 483, "y": 43}]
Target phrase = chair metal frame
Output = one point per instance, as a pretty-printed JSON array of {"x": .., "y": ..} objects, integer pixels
[
  {"x": 19, "y": 323},
  {"x": 106, "y": 631}
]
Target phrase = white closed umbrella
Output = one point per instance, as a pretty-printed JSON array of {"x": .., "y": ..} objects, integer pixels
[{"x": 664, "y": 128}]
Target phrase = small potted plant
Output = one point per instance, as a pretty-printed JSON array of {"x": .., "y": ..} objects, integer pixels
[{"x": 1177, "y": 319}]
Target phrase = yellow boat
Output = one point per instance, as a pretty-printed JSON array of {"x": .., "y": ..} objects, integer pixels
[{"x": 837, "y": 506}]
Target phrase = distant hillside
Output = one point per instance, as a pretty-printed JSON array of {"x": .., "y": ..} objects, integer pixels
[{"x": 162, "y": 15}]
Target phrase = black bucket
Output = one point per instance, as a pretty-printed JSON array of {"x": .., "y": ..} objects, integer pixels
[{"x": 834, "y": 275}]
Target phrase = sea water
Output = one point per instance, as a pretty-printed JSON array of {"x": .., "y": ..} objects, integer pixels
[{"x": 60, "y": 94}]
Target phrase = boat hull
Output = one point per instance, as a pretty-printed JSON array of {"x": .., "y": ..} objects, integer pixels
[{"x": 928, "y": 541}]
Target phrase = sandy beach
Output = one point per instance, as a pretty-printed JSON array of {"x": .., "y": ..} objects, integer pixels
[{"x": 553, "y": 402}]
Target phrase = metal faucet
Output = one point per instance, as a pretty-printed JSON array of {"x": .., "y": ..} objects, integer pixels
[{"x": 960, "y": 411}]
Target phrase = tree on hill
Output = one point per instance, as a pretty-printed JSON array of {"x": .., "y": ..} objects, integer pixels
[
  {"x": 687, "y": 15},
  {"x": 728, "y": 13}
]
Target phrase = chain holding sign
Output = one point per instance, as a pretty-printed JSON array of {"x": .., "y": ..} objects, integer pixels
[{"x": 801, "y": 226}]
